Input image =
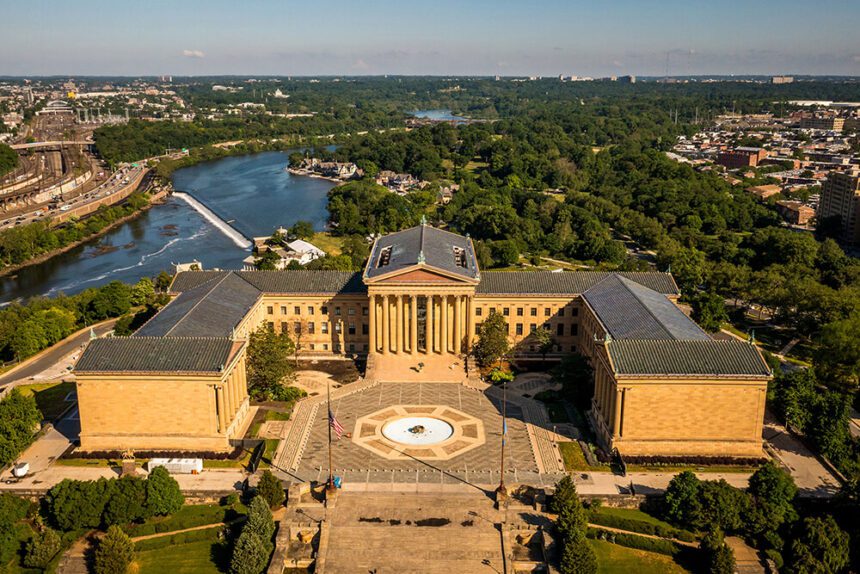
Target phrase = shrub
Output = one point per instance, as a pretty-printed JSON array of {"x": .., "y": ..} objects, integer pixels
[
  {"x": 564, "y": 496},
  {"x": 12, "y": 510},
  {"x": 74, "y": 504},
  {"x": 127, "y": 502},
  {"x": 776, "y": 557},
  {"x": 114, "y": 553},
  {"x": 162, "y": 493},
  {"x": 271, "y": 489},
  {"x": 41, "y": 548}
]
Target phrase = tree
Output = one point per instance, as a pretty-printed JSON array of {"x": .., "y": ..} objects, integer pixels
[
  {"x": 545, "y": 341},
  {"x": 357, "y": 249},
  {"x": 492, "y": 342},
  {"x": 681, "y": 504},
  {"x": 163, "y": 496},
  {"x": 74, "y": 504},
  {"x": 819, "y": 546},
  {"x": 260, "y": 520},
  {"x": 142, "y": 291},
  {"x": 162, "y": 282},
  {"x": 837, "y": 361},
  {"x": 565, "y": 495},
  {"x": 112, "y": 300},
  {"x": 723, "y": 505},
  {"x": 42, "y": 548},
  {"x": 127, "y": 502},
  {"x": 572, "y": 520},
  {"x": 709, "y": 311},
  {"x": 302, "y": 229},
  {"x": 19, "y": 420},
  {"x": 578, "y": 558},
  {"x": 249, "y": 554},
  {"x": 114, "y": 553},
  {"x": 773, "y": 491},
  {"x": 270, "y": 489},
  {"x": 720, "y": 558},
  {"x": 269, "y": 362}
]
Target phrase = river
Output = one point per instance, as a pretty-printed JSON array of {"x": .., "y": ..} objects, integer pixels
[{"x": 242, "y": 197}]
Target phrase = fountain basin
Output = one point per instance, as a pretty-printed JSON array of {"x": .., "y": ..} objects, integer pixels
[{"x": 417, "y": 430}]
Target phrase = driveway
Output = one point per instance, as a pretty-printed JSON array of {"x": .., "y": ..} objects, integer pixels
[{"x": 810, "y": 476}]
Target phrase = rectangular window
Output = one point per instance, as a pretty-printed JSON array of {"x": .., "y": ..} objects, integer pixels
[
  {"x": 351, "y": 348},
  {"x": 519, "y": 311},
  {"x": 532, "y": 328},
  {"x": 272, "y": 325},
  {"x": 324, "y": 310},
  {"x": 324, "y": 327},
  {"x": 310, "y": 310},
  {"x": 559, "y": 329},
  {"x": 547, "y": 312},
  {"x": 533, "y": 311},
  {"x": 506, "y": 312},
  {"x": 574, "y": 329},
  {"x": 351, "y": 329},
  {"x": 325, "y": 346},
  {"x": 337, "y": 311},
  {"x": 365, "y": 329},
  {"x": 365, "y": 311},
  {"x": 283, "y": 309},
  {"x": 574, "y": 311},
  {"x": 350, "y": 312},
  {"x": 478, "y": 311},
  {"x": 311, "y": 329},
  {"x": 297, "y": 328},
  {"x": 519, "y": 328},
  {"x": 313, "y": 347},
  {"x": 270, "y": 310},
  {"x": 297, "y": 310},
  {"x": 338, "y": 327},
  {"x": 477, "y": 328},
  {"x": 561, "y": 312},
  {"x": 284, "y": 327}
]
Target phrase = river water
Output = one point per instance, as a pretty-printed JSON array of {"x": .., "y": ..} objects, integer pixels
[{"x": 241, "y": 197}]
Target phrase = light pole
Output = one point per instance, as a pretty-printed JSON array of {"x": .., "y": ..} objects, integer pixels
[{"x": 502, "y": 491}]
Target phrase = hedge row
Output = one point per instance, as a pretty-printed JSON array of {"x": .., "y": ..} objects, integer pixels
[
  {"x": 190, "y": 516},
  {"x": 633, "y": 541},
  {"x": 206, "y": 534},
  {"x": 640, "y": 526}
]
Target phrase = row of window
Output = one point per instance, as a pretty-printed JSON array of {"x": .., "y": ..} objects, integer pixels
[
  {"x": 533, "y": 312},
  {"x": 573, "y": 331},
  {"x": 311, "y": 310},
  {"x": 309, "y": 328}
]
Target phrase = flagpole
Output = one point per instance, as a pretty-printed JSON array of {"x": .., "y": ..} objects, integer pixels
[
  {"x": 330, "y": 486},
  {"x": 501, "y": 490}
]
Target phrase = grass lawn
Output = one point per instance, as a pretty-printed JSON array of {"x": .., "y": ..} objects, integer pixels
[
  {"x": 327, "y": 242},
  {"x": 189, "y": 516},
  {"x": 612, "y": 559},
  {"x": 50, "y": 397},
  {"x": 632, "y": 514},
  {"x": 573, "y": 458},
  {"x": 194, "y": 558}
]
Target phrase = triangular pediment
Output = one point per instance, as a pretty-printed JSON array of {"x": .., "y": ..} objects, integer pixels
[{"x": 419, "y": 275}]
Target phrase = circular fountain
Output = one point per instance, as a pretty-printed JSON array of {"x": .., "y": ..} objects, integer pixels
[{"x": 417, "y": 430}]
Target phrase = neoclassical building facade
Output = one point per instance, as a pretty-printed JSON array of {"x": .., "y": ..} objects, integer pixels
[{"x": 663, "y": 387}]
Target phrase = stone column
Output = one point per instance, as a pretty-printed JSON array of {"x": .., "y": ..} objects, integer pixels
[
  {"x": 413, "y": 325},
  {"x": 470, "y": 323},
  {"x": 437, "y": 325},
  {"x": 428, "y": 326},
  {"x": 616, "y": 427},
  {"x": 371, "y": 317},
  {"x": 443, "y": 313},
  {"x": 458, "y": 324},
  {"x": 234, "y": 398},
  {"x": 222, "y": 418},
  {"x": 398, "y": 341},
  {"x": 386, "y": 325}
]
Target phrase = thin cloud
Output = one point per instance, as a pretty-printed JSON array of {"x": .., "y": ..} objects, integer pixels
[{"x": 193, "y": 54}]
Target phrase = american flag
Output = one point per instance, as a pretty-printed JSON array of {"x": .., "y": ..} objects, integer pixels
[{"x": 334, "y": 424}]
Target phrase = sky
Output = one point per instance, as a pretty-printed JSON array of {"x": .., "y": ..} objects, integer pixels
[{"x": 435, "y": 37}]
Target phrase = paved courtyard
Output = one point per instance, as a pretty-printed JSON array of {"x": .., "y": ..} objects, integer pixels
[{"x": 305, "y": 454}]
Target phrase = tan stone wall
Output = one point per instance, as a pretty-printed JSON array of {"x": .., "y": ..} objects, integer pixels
[
  {"x": 339, "y": 323},
  {"x": 525, "y": 313},
  {"x": 712, "y": 417},
  {"x": 162, "y": 412}
]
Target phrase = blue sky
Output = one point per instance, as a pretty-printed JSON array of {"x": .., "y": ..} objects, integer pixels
[{"x": 549, "y": 37}]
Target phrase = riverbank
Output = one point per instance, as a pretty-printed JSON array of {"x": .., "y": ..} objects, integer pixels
[
  {"x": 154, "y": 200},
  {"x": 309, "y": 173}
]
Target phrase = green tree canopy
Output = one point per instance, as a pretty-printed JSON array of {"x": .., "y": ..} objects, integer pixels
[
  {"x": 114, "y": 553},
  {"x": 492, "y": 342},
  {"x": 269, "y": 365}
]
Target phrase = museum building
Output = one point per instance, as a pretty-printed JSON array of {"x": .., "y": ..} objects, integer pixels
[{"x": 663, "y": 387}]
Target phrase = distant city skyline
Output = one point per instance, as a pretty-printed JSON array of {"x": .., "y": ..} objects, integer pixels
[{"x": 480, "y": 37}]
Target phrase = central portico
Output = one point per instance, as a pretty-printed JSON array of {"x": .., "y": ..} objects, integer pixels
[{"x": 421, "y": 284}]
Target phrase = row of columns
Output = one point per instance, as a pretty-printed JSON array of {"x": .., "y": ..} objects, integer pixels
[
  {"x": 609, "y": 400},
  {"x": 394, "y": 323},
  {"x": 230, "y": 395}
]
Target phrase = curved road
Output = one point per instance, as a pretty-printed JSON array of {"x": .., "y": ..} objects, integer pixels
[{"x": 53, "y": 354}]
